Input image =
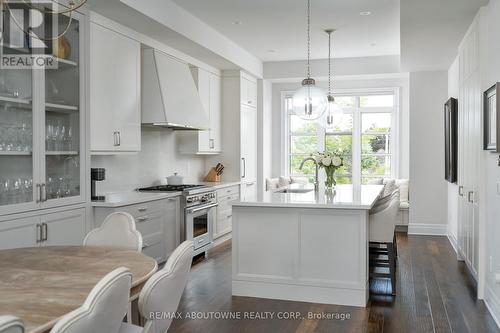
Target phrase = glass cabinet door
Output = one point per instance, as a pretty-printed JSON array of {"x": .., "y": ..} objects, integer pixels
[
  {"x": 16, "y": 138},
  {"x": 63, "y": 119}
]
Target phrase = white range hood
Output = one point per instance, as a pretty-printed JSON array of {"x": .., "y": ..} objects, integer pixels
[{"x": 169, "y": 95}]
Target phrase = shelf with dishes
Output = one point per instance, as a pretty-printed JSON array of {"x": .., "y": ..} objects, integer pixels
[
  {"x": 62, "y": 153},
  {"x": 56, "y": 107},
  {"x": 15, "y": 153}
]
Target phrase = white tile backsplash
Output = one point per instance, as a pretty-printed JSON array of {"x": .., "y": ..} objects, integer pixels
[{"x": 157, "y": 159}]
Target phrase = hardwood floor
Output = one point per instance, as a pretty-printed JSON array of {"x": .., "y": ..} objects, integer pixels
[{"x": 435, "y": 293}]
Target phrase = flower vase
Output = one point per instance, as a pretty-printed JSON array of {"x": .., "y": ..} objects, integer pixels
[{"x": 330, "y": 182}]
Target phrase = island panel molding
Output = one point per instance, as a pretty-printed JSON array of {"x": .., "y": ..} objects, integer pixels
[{"x": 297, "y": 254}]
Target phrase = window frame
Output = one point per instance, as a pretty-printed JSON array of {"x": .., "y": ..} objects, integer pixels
[{"x": 356, "y": 133}]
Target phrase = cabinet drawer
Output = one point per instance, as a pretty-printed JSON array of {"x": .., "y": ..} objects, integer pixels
[
  {"x": 150, "y": 224},
  {"x": 224, "y": 225},
  {"x": 223, "y": 192},
  {"x": 224, "y": 214},
  {"x": 146, "y": 208},
  {"x": 225, "y": 202}
]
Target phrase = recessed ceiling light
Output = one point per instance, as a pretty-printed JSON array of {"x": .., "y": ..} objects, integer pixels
[
  {"x": 365, "y": 13},
  {"x": 237, "y": 22}
]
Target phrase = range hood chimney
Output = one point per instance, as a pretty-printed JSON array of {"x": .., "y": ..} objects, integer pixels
[{"x": 169, "y": 95}]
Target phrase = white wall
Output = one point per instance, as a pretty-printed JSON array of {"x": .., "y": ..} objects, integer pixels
[
  {"x": 428, "y": 189},
  {"x": 453, "y": 91},
  {"x": 157, "y": 159},
  {"x": 402, "y": 82}
]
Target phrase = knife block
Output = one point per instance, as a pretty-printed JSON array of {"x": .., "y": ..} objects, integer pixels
[{"x": 212, "y": 176}]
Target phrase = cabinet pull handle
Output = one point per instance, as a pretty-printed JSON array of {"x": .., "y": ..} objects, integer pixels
[
  {"x": 244, "y": 167},
  {"x": 43, "y": 192},
  {"x": 115, "y": 139},
  {"x": 470, "y": 196},
  {"x": 229, "y": 216},
  {"x": 142, "y": 219},
  {"x": 45, "y": 232},
  {"x": 119, "y": 138},
  {"x": 145, "y": 245},
  {"x": 38, "y": 233},
  {"x": 249, "y": 102},
  {"x": 461, "y": 191},
  {"x": 142, "y": 209},
  {"x": 38, "y": 193}
]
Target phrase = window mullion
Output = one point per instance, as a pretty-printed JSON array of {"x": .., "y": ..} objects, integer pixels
[{"x": 356, "y": 144}]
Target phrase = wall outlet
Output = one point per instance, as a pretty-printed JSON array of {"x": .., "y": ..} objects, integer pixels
[{"x": 491, "y": 264}]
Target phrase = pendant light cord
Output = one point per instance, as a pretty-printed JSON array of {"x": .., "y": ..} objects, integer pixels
[
  {"x": 329, "y": 63},
  {"x": 308, "y": 38}
]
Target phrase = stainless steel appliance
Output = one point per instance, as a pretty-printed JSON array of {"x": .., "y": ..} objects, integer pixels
[
  {"x": 96, "y": 175},
  {"x": 198, "y": 206}
]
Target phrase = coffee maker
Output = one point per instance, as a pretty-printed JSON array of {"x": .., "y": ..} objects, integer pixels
[{"x": 96, "y": 175}]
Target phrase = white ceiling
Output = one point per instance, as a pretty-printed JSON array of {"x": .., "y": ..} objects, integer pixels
[
  {"x": 274, "y": 30},
  {"x": 431, "y": 31}
]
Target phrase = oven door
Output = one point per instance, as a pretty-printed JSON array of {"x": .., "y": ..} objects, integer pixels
[{"x": 199, "y": 224}]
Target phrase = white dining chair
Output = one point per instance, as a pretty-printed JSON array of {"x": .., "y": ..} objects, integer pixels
[
  {"x": 117, "y": 230},
  {"x": 11, "y": 324},
  {"x": 162, "y": 292},
  {"x": 104, "y": 308},
  {"x": 383, "y": 247}
]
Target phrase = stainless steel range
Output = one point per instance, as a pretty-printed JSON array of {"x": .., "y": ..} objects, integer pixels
[{"x": 198, "y": 205}]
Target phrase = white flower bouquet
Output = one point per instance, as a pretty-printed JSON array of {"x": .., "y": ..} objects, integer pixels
[{"x": 330, "y": 162}]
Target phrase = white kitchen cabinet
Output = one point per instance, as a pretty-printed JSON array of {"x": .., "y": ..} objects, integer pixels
[
  {"x": 158, "y": 221},
  {"x": 115, "y": 98},
  {"x": 55, "y": 229},
  {"x": 209, "y": 141},
  {"x": 63, "y": 228},
  {"x": 249, "y": 191},
  {"x": 248, "y": 144},
  {"x": 19, "y": 233},
  {"x": 43, "y": 151},
  {"x": 469, "y": 148},
  {"x": 248, "y": 91},
  {"x": 239, "y": 129},
  {"x": 224, "y": 217}
]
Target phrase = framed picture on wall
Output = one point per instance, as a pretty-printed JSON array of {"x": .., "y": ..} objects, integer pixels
[
  {"x": 491, "y": 119},
  {"x": 451, "y": 139}
]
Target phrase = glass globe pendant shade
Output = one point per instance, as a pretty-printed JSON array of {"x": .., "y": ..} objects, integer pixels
[{"x": 309, "y": 102}]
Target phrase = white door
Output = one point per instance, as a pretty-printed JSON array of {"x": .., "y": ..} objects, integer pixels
[
  {"x": 20, "y": 233},
  {"x": 102, "y": 90},
  {"x": 64, "y": 228},
  {"x": 127, "y": 101},
  {"x": 215, "y": 114},
  {"x": 204, "y": 92},
  {"x": 248, "y": 143}
]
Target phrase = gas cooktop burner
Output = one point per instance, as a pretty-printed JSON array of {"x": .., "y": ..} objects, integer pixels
[{"x": 170, "y": 188}]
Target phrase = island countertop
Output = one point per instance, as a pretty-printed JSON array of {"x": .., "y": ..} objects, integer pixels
[{"x": 343, "y": 197}]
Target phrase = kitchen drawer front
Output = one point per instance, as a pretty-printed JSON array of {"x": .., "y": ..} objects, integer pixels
[
  {"x": 224, "y": 223},
  {"x": 228, "y": 191},
  {"x": 150, "y": 224},
  {"x": 225, "y": 202},
  {"x": 147, "y": 208}
]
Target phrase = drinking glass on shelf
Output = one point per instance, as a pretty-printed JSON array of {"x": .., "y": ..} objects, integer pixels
[
  {"x": 3, "y": 137},
  {"x": 61, "y": 138},
  {"x": 49, "y": 130}
]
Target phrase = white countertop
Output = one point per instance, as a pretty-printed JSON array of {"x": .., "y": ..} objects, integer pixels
[
  {"x": 218, "y": 185},
  {"x": 120, "y": 199},
  {"x": 132, "y": 198},
  {"x": 343, "y": 197}
]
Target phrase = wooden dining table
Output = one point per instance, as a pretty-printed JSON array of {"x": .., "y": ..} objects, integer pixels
[{"x": 40, "y": 285}]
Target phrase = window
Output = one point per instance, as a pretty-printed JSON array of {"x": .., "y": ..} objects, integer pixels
[{"x": 365, "y": 133}]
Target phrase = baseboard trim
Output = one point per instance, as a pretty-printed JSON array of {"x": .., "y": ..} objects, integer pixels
[
  {"x": 453, "y": 242},
  {"x": 493, "y": 305},
  {"x": 427, "y": 229}
]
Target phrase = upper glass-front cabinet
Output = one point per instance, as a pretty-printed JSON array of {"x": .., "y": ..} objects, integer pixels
[{"x": 42, "y": 132}]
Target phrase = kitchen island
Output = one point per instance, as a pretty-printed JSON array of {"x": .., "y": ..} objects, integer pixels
[{"x": 304, "y": 245}]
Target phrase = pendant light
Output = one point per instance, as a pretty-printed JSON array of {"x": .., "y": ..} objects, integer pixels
[
  {"x": 309, "y": 102},
  {"x": 334, "y": 110}
]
